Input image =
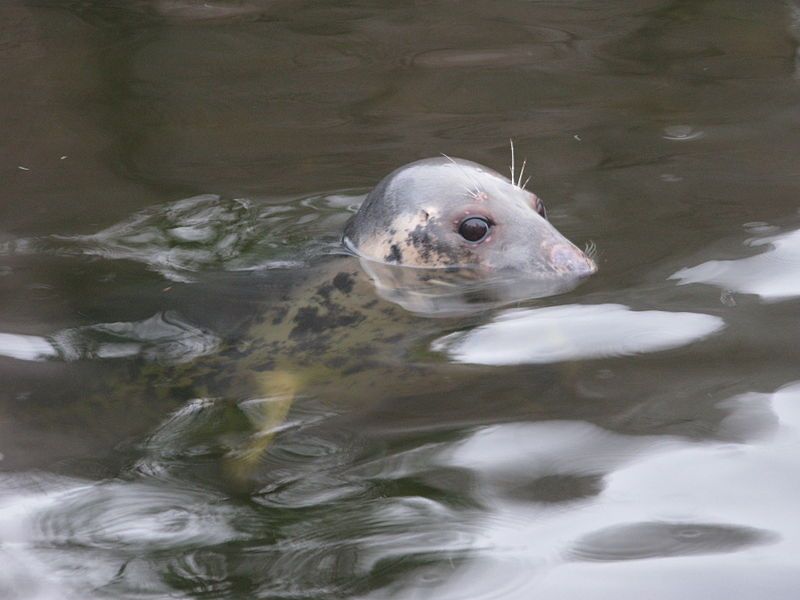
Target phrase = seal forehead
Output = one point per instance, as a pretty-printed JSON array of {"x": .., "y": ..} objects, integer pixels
[
  {"x": 453, "y": 177},
  {"x": 450, "y": 185}
]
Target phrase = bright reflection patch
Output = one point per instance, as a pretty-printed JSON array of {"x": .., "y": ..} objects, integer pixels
[
  {"x": 163, "y": 337},
  {"x": 560, "y": 333},
  {"x": 690, "y": 515},
  {"x": 773, "y": 275}
]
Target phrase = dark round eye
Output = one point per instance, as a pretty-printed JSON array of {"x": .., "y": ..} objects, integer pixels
[{"x": 474, "y": 229}]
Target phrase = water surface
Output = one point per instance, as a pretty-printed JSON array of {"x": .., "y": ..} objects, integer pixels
[{"x": 172, "y": 169}]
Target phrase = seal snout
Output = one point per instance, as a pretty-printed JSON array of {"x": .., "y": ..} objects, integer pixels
[{"x": 566, "y": 258}]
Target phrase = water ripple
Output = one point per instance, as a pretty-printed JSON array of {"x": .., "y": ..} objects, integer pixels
[
  {"x": 164, "y": 337},
  {"x": 208, "y": 232},
  {"x": 136, "y": 516},
  {"x": 76, "y": 536},
  {"x": 204, "y": 572},
  {"x": 333, "y": 519}
]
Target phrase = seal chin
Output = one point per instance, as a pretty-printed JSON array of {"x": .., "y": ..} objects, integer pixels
[{"x": 566, "y": 258}]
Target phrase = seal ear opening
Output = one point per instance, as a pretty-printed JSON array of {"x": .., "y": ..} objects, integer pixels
[{"x": 538, "y": 206}]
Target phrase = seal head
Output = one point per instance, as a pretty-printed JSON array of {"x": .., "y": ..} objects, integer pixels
[{"x": 450, "y": 213}]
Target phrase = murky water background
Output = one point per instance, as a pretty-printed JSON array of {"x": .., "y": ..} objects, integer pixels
[{"x": 171, "y": 168}]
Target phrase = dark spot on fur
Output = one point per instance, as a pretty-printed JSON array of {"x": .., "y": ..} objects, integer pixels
[
  {"x": 308, "y": 348},
  {"x": 337, "y": 362},
  {"x": 309, "y": 320},
  {"x": 421, "y": 240},
  {"x": 343, "y": 282},
  {"x": 431, "y": 247},
  {"x": 369, "y": 304},
  {"x": 324, "y": 291},
  {"x": 394, "y": 256},
  {"x": 393, "y": 339},
  {"x": 361, "y": 366},
  {"x": 279, "y": 315},
  {"x": 264, "y": 365},
  {"x": 362, "y": 350}
]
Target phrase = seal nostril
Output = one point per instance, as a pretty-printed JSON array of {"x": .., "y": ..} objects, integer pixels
[{"x": 569, "y": 259}]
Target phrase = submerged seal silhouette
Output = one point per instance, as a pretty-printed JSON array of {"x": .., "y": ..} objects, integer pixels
[
  {"x": 445, "y": 212},
  {"x": 438, "y": 237}
]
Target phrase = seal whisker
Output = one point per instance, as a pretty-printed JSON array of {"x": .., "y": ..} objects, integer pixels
[
  {"x": 525, "y": 185},
  {"x": 510, "y": 141},
  {"x": 590, "y": 249},
  {"x": 521, "y": 173},
  {"x": 473, "y": 192},
  {"x": 464, "y": 187}
]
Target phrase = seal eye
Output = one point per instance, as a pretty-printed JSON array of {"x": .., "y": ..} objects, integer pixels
[{"x": 474, "y": 229}]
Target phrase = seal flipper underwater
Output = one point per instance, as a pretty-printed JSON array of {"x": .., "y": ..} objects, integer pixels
[{"x": 437, "y": 215}]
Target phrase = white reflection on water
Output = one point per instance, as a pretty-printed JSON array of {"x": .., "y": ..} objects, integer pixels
[
  {"x": 773, "y": 275},
  {"x": 669, "y": 518},
  {"x": 660, "y": 517},
  {"x": 67, "y": 538},
  {"x": 164, "y": 336},
  {"x": 571, "y": 332}
]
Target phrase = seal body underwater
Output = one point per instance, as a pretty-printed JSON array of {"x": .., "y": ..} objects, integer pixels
[
  {"x": 438, "y": 237},
  {"x": 426, "y": 233}
]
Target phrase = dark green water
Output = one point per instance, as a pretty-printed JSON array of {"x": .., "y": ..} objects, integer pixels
[{"x": 171, "y": 168}]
